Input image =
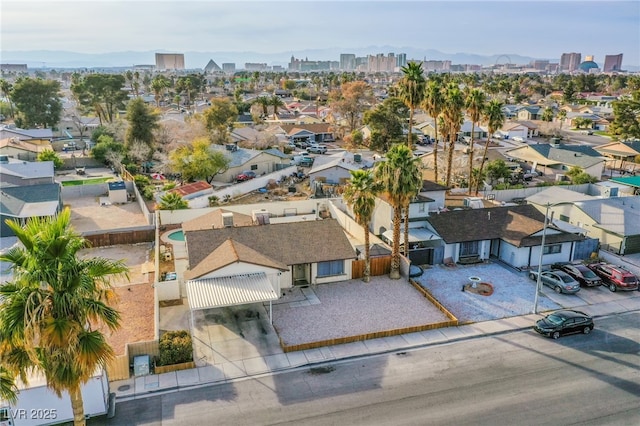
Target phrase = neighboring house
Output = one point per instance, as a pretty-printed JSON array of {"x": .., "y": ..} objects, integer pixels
[
  {"x": 531, "y": 112},
  {"x": 22, "y": 173},
  {"x": 512, "y": 235},
  {"x": 315, "y": 132},
  {"x": 24, "y": 202},
  {"x": 615, "y": 221},
  {"x": 513, "y": 129},
  {"x": 532, "y": 128},
  {"x": 217, "y": 219},
  {"x": 260, "y": 162},
  {"x": 597, "y": 122},
  {"x": 423, "y": 244},
  {"x": 560, "y": 159},
  {"x": 479, "y": 131},
  {"x": 619, "y": 151},
  {"x": 510, "y": 111},
  {"x": 334, "y": 172},
  {"x": 288, "y": 254},
  {"x": 26, "y": 134},
  {"x": 631, "y": 182},
  {"x": 23, "y": 149},
  {"x": 69, "y": 126}
]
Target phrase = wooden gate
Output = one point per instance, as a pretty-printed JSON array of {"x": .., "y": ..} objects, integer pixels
[{"x": 379, "y": 266}]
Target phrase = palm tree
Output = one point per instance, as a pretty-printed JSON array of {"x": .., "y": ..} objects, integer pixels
[
  {"x": 264, "y": 102},
  {"x": 5, "y": 88},
  {"x": 55, "y": 307},
  {"x": 8, "y": 388},
  {"x": 360, "y": 195},
  {"x": 411, "y": 91},
  {"x": 475, "y": 104},
  {"x": 453, "y": 104},
  {"x": 276, "y": 102},
  {"x": 158, "y": 85},
  {"x": 495, "y": 119},
  {"x": 562, "y": 114},
  {"x": 433, "y": 104},
  {"x": 172, "y": 201},
  {"x": 398, "y": 184}
]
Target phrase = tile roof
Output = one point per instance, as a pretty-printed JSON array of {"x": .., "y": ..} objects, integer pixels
[
  {"x": 515, "y": 225},
  {"x": 287, "y": 243},
  {"x": 191, "y": 188}
]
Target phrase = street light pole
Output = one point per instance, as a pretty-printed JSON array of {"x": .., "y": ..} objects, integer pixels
[{"x": 539, "y": 279}]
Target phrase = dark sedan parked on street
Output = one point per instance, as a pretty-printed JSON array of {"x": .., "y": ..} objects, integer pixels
[
  {"x": 564, "y": 322},
  {"x": 585, "y": 276}
]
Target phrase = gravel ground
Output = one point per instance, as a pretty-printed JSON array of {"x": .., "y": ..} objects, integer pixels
[
  {"x": 513, "y": 293},
  {"x": 353, "y": 307}
]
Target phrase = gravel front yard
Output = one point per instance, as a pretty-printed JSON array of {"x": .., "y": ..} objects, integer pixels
[
  {"x": 351, "y": 308},
  {"x": 513, "y": 293}
]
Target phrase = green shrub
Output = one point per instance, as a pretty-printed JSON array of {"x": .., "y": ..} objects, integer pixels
[
  {"x": 147, "y": 192},
  {"x": 141, "y": 181},
  {"x": 175, "y": 348}
]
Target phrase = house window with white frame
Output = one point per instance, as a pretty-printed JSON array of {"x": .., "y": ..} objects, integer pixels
[
  {"x": 552, "y": 249},
  {"x": 469, "y": 248},
  {"x": 330, "y": 268}
]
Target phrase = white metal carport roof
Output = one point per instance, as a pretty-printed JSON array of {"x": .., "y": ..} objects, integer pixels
[{"x": 219, "y": 292}]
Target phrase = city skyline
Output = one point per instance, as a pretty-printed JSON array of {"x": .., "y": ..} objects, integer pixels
[{"x": 537, "y": 29}]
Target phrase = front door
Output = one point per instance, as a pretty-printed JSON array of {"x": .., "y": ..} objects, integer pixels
[{"x": 301, "y": 274}]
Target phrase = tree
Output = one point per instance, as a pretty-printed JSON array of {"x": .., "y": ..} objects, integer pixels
[
  {"x": 142, "y": 123},
  {"x": 172, "y": 201},
  {"x": 360, "y": 195},
  {"x": 105, "y": 148},
  {"x": 547, "y": 115},
  {"x": 8, "y": 389},
  {"x": 398, "y": 184},
  {"x": 55, "y": 307},
  {"x": 276, "y": 103},
  {"x": 218, "y": 118},
  {"x": 37, "y": 102},
  {"x": 579, "y": 176},
  {"x": 198, "y": 161},
  {"x": 411, "y": 91},
  {"x": 433, "y": 104},
  {"x": 475, "y": 103},
  {"x": 495, "y": 119},
  {"x": 562, "y": 115},
  {"x": 496, "y": 170},
  {"x": 264, "y": 103},
  {"x": 626, "y": 121},
  {"x": 351, "y": 101},
  {"x": 6, "y": 88},
  {"x": 103, "y": 94},
  {"x": 453, "y": 117},
  {"x": 51, "y": 155},
  {"x": 385, "y": 122},
  {"x": 158, "y": 85}
]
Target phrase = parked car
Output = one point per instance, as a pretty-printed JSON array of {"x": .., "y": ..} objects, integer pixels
[
  {"x": 585, "y": 276},
  {"x": 306, "y": 162},
  {"x": 564, "y": 322},
  {"x": 615, "y": 277},
  {"x": 559, "y": 281},
  {"x": 317, "y": 148},
  {"x": 245, "y": 175}
]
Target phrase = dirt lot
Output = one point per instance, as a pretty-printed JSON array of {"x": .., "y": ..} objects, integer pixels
[
  {"x": 88, "y": 215},
  {"x": 138, "y": 257}
]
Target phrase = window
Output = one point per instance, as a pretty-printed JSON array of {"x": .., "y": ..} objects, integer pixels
[
  {"x": 564, "y": 218},
  {"x": 469, "y": 248},
  {"x": 254, "y": 167},
  {"x": 327, "y": 269},
  {"x": 552, "y": 249},
  {"x": 421, "y": 207}
]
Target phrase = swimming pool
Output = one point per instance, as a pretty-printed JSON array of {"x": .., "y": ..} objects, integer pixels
[{"x": 176, "y": 236}]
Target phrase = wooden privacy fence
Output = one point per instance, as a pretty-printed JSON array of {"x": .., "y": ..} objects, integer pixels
[
  {"x": 113, "y": 238},
  {"x": 379, "y": 266},
  {"x": 119, "y": 367}
]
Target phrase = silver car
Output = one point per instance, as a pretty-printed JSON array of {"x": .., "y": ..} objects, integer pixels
[{"x": 559, "y": 281}]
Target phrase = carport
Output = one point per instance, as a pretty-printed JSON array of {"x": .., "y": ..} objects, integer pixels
[{"x": 220, "y": 292}]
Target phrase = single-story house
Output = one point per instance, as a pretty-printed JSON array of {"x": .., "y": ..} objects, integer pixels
[
  {"x": 260, "y": 162},
  {"x": 530, "y": 112},
  {"x": 631, "y": 182},
  {"x": 70, "y": 126},
  {"x": 613, "y": 220},
  {"x": 560, "y": 159},
  {"x": 335, "y": 171},
  {"x": 24, "y": 149},
  {"x": 290, "y": 253},
  {"x": 312, "y": 132},
  {"x": 510, "y": 234},
  {"x": 513, "y": 129},
  {"x": 24, "y": 202},
  {"x": 622, "y": 151},
  {"x": 25, "y": 134},
  {"x": 21, "y": 173}
]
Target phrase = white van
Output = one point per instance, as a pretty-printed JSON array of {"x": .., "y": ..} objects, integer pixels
[{"x": 518, "y": 138}]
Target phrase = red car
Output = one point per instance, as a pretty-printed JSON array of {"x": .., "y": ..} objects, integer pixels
[
  {"x": 245, "y": 175},
  {"x": 615, "y": 277}
]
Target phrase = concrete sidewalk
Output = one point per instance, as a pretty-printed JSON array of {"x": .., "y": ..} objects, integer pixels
[{"x": 251, "y": 363}]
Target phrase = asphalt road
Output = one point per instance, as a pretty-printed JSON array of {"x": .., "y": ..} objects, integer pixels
[{"x": 518, "y": 378}]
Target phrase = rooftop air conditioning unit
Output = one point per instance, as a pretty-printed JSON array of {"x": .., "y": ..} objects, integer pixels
[
  {"x": 260, "y": 217},
  {"x": 227, "y": 220}
]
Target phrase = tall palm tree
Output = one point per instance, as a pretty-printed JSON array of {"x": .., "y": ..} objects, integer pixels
[
  {"x": 5, "y": 88},
  {"x": 360, "y": 195},
  {"x": 264, "y": 103},
  {"x": 562, "y": 114},
  {"x": 411, "y": 91},
  {"x": 55, "y": 307},
  {"x": 433, "y": 103},
  {"x": 398, "y": 185},
  {"x": 8, "y": 388},
  {"x": 276, "y": 102},
  {"x": 474, "y": 103},
  {"x": 453, "y": 117},
  {"x": 159, "y": 84},
  {"x": 494, "y": 118}
]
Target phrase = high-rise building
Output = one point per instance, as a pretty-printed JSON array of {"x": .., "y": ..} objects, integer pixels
[
  {"x": 347, "y": 61},
  {"x": 570, "y": 61},
  {"x": 170, "y": 61},
  {"x": 539, "y": 64},
  {"x": 229, "y": 67},
  {"x": 612, "y": 63},
  {"x": 381, "y": 63},
  {"x": 401, "y": 61}
]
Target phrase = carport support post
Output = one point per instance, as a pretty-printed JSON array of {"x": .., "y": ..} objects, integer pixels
[
  {"x": 539, "y": 279},
  {"x": 270, "y": 314}
]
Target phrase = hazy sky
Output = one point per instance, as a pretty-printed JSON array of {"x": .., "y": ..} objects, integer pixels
[{"x": 542, "y": 29}]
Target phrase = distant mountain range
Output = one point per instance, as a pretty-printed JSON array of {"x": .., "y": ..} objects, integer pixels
[
  {"x": 198, "y": 60},
  {"x": 55, "y": 59}
]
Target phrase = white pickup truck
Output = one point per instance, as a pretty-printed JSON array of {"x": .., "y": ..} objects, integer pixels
[{"x": 317, "y": 148}]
